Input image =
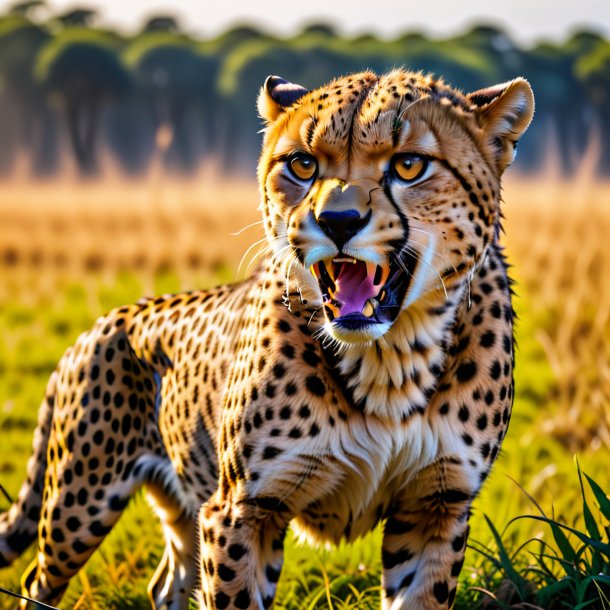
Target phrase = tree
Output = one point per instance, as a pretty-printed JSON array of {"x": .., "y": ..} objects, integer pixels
[
  {"x": 174, "y": 80},
  {"x": 77, "y": 17},
  {"x": 161, "y": 23},
  {"x": 83, "y": 70},
  {"x": 26, "y": 122}
]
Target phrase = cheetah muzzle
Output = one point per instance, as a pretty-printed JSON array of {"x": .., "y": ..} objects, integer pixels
[{"x": 363, "y": 374}]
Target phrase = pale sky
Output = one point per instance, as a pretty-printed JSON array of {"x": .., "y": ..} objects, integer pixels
[{"x": 526, "y": 20}]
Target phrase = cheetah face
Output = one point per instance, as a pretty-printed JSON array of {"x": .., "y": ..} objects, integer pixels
[{"x": 380, "y": 194}]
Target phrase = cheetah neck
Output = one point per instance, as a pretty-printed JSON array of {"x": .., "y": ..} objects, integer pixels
[{"x": 395, "y": 376}]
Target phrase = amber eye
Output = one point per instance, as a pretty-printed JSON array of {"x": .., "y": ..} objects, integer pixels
[
  {"x": 409, "y": 168},
  {"x": 303, "y": 166}
]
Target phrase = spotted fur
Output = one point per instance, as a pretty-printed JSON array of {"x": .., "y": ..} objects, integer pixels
[{"x": 248, "y": 407}]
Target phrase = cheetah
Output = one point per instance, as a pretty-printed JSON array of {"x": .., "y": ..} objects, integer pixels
[{"x": 363, "y": 374}]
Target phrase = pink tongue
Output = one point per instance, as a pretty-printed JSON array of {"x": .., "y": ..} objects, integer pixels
[{"x": 353, "y": 287}]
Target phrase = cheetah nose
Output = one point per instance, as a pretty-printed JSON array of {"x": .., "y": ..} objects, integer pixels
[{"x": 342, "y": 226}]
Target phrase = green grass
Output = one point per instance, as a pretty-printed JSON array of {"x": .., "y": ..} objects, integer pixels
[{"x": 41, "y": 315}]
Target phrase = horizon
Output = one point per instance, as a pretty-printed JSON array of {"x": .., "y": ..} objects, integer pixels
[{"x": 525, "y": 22}]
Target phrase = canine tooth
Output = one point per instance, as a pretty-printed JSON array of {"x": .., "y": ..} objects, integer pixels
[
  {"x": 369, "y": 308},
  {"x": 382, "y": 295}
]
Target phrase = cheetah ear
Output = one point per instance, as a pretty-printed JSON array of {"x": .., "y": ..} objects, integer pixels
[
  {"x": 277, "y": 94},
  {"x": 505, "y": 111}
]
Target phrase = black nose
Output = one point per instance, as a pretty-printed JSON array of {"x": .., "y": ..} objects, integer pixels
[{"x": 342, "y": 226}]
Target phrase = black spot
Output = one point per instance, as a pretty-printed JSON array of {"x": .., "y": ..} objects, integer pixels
[
  {"x": 441, "y": 592},
  {"x": 270, "y": 452},
  {"x": 463, "y": 413},
  {"x": 242, "y": 599},
  {"x": 495, "y": 371},
  {"x": 394, "y": 526},
  {"x": 73, "y": 523},
  {"x": 311, "y": 358},
  {"x": 288, "y": 351},
  {"x": 482, "y": 422},
  {"x": 82, "y": 496},
  {"x": 225, "y": 572},
  {"x": 97, "y": 528},
  {"x": 315, "y": 385},
  {"x": 285, "y": 412},
  {"x": 495, "y": 310},
  {"x": 117, "y": 503},
  {"x": 407, "y": 580},
  {"x": 79, "y": 547},
  {"x": 279, "y": 371},
  {"x": 466, "y": 371},
  {"x": 456, "y": 568},
  {"x": 304, "y": 412},
  {"x": 391, "y": 560},
  {"x": 272, "y": 574},
  {"x": 284, "y": 326},
  {"x": 221, "y": 600},
  {"x": 458, "y": 543},
  {"x": 488, "y": 339},
  {"x": 236, "y": 551},
  {"x": 57, "y": 535}
]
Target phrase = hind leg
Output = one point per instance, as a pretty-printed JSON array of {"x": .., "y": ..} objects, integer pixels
[
  {"x": 101, "y": 428},
  {"x": 173, "y": 583}
]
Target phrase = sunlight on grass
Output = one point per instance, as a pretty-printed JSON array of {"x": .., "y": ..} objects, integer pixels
[{"x": 87, "y": 250}]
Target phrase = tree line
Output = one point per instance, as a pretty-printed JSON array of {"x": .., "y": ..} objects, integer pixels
[{"x": 67, "y": 82}]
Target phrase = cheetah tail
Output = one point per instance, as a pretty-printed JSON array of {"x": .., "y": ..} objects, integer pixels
[{"x": 19, "y": 525}]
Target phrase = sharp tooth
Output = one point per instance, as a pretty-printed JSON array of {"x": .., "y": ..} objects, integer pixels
[
  {"x": 369, "y": 308},
  {"x": 382, "y": 295}
]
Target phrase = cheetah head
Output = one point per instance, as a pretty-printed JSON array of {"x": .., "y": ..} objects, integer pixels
[{"x": 382, "y": 193}]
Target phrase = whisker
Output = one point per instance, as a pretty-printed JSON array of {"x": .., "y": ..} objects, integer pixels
[
  {"x": 258, "y": 222},
  {"x": 416, "y": 255},
  {"x": 256, "y": 243}
]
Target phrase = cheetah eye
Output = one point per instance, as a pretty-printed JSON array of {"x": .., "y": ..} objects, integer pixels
[
  {"x": 408, "y": 167},
  {"x": 302, "y": 166}
]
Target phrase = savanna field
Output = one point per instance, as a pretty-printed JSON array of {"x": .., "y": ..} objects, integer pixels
[{"x": 71, "y": 251}]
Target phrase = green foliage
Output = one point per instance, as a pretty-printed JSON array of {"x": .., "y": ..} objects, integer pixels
[
  {"x": 569, "y": 571},
  {"x": 39, "y": 324},
  {"x": 224, "y": 74},
  {"x": 65, "y": 47}
]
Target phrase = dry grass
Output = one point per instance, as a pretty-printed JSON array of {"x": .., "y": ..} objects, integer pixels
[
  {"x": 144, "y": 226},
  {"x": 64, "y": 248},
  {"x": 558, "y": 236}
]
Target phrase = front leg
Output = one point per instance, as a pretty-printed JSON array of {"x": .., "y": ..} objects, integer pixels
[
  {"x": 425, "y": 539},
  {"x": 241, "y": 553}
]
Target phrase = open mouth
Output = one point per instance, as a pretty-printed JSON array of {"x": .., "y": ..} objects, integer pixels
[{"x": 357, "y": 294}]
